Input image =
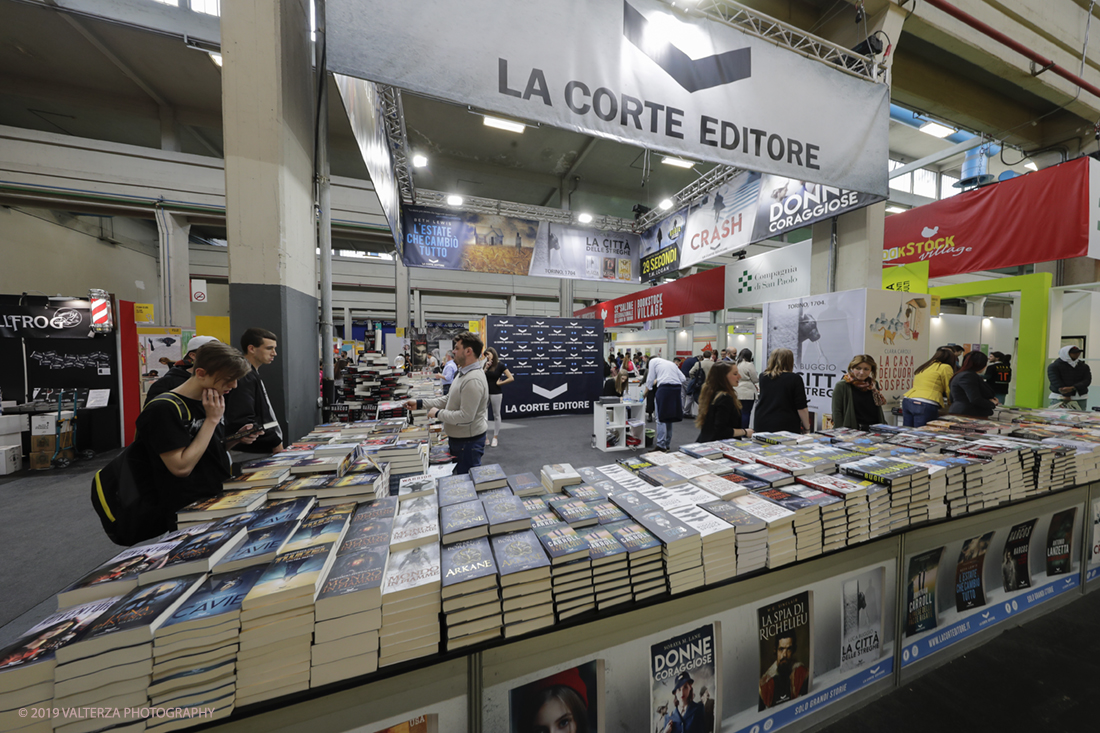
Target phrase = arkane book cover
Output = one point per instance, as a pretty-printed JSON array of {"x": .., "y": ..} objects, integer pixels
[
  {"x": 862, "y": 618},
  {"x": 569, "y": 700},
  {"x": 786, "y": 649},
  {"x": 969, "y": 590},
  {"x": 920, "y": 601},
  {"x": 1015, "y": 564},
  {"x": 1060, "y": 542},
  {"x": 685, "y": 681}
]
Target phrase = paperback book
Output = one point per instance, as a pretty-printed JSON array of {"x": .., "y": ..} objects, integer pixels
[
  {"x": 1060, "y": 542},
  {"x": 920, "y": 597},
  {"x": 862, "y": 619},
  {"x": 1015, "y": 564},
  {"x": 686, "y": 681},
  {"x": 571, "y": 699},
  {"x": 786, "y": 649}
]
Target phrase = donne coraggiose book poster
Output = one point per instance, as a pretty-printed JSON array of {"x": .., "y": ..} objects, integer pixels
[{"x": 686, "y": 680}]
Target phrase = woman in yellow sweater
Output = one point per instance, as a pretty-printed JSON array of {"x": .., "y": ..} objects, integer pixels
[{"x": 931, "y": 382}]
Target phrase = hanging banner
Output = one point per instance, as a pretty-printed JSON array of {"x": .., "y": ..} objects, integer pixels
[
  {"x": 1001, "y": 225},
  {"x": 452, "y": 240},
  {"x": 699, "y": 293},
  {"x": 911, "y": 278},
  {"x": 780, "y": 274},
  {"x": 897, "y": 338},
  {"x": 721, "y": 222},
  {"x": 363, "y": 105},
  {"x": 661, "y": 246},
  {"x": 44, "y": 318},
  {"x": 557, "y": 364},
  {"x": 639, "y": 71}
]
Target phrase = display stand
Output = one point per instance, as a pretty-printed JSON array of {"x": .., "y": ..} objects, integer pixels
[{"x": 612, "y": 423}]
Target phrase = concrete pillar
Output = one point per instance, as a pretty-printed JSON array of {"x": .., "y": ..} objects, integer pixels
[
  {"x": 857, "y": 260},
  {"x": 348, "y": 335},
  {"x": 267, "y": 115},
  {"x": 721, "y": 338},
  {"x": 401, "y": 294},
  {"x": 417, "y": 320},
  {"x": 175, "y": 270},
  {"x": 169, "y": 130},
  {"x": 975, "y": 306},
  {"x": 512, "y": 303},
  {"x": 565, "y": 298}
]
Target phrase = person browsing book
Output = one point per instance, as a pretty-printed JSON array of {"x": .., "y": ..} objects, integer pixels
[
  {"x": 449, "y": 370},
  {"x": 747, "y": 388},
  {"x": 180, "y": 445},
  {"x": 1069, "y": 378},
  {"x": 719, "y": 408},
  {"x": 665, "y": 381},
  {"x": 857, "y": 400},
  {"x": 497, "y": 375},
  {"x": 249, "y": 403},
  {"x": 463, "y": 409},
  {"x": 970, "y": 395},
  {"x": 931, "y": 386},
  {"x": 782, "y": 403}
]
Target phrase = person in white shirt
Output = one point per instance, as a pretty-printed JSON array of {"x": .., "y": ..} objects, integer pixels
[
  {"x": 749, "y": 386},
  {"x": 449, "y": 371},
  {"x": 665, "y": 379}
]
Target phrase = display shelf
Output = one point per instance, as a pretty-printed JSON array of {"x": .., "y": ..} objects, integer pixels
[{"x": 617, "y": 418}]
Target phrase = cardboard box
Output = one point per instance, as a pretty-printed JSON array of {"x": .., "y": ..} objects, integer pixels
[
  {"x": 11, "y": 459},
  {"x": 14, "y": 424},
  {"x": 46, "y": 423},
  {"x": 43, "y": 443},
  {"x": 41, "y": 459}
]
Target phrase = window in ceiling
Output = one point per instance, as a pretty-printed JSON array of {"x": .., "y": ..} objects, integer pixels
[
  {"x": 210, "y": 7},
  {"x": 901, "y": 183},
  {"x": 924, "y": 183},
  {"x": 351, "y": 253},
  {"x": 947, "y": 186},
  {"x": 173, "y": 3}
]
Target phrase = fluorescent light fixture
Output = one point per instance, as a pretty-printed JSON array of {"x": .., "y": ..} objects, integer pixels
[
  {"x": 216, "y": 58},
  {"x": 895, "y": 210},
  {"x": 419, "y": 161},
  {"x": 935, "y": 129},
  {"x": 1031, "y": 166},
  {"x": 740, "y": 337},
  {"x": 503, "y": 124},
  {"x": 935, "y": 319},
  {"x": 678, "y": 162},
  {"x": 584, "y": 218},
  {"x": 454, "y": 200},
  {"x": 665, "y": 205}
]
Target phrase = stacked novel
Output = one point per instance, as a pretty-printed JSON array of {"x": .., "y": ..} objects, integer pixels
[
  {"x": 570, "y": 569},
  {"x": 277, "y": 615},
  {"x": 411, "y": 603},
  {"x": 647, "y": 573},
  {"x": 780, "y": 523},
  {"x": 751, "y": 535},
  {"x": 223, "y": 505},
  {"x": 463, "y": 521},
  {"x": 719, "y": 487},
  {"x": 455, "y": 490},
  {"x": 765, "y": 474},
  {"x": 266, "y": 533},
  {"x": 525, "y": 484},
  {"x": 719, "y": 541},
  {"x": 610, "y": 567},
  {"x": 487, "y": 477},
  {"x": 903, "y": 481},
  {"x": 359, "y": 484},
  {"x": 851, "y": 524},
  {"x": 526, "y": 592},
  {"x": 348, "y": 610},
  {"x": 404, "y": 456},
  {"x": 556, "y": 476},
  {"x": 681, "y": 549},
  {"x": 471, "y": 593}
]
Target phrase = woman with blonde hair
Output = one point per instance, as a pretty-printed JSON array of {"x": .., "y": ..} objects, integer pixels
[
  {"x": 857, "y": 400},
  {"x": 719, "y": 409},
  {"x": 782, "y": 403}
]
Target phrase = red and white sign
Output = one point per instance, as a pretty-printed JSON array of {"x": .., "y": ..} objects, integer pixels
[
  {"x": 1039, "y": 217},
  {"x": 198, "y": 291},
  {"x": 699, "y": 293}
]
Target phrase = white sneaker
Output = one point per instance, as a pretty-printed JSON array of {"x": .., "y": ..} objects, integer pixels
[{"x": 494, "y": 443}]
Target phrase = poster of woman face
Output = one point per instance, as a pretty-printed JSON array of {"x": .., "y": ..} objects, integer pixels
[{"x": 565, "y": 702}]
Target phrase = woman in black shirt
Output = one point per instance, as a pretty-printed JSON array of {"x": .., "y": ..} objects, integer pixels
[
  {"x": 497, "y": 375},
  {"x": 782, "y": 403},
  {"x": 970, "y": 395},
  {"x": 615, "y": 385},
  {"x": 719, "y": 409}
]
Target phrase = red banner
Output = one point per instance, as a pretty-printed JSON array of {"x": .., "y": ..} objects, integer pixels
[
  {"x": 699, "y": 293},
  {"x": 1039, "y": 217}
]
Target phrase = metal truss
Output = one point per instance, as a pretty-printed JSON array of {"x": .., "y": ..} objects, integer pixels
[
  {"x": 787, "y": 36},
  {"x": 478, "y": 205},
  {"x": 394, "y": 116},
  {"x": 702, "y": 185}
]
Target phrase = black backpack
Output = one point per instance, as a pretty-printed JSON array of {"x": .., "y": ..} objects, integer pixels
[
  {"x": 695, "y": 381},
  {"x": 129, "y": 506}
]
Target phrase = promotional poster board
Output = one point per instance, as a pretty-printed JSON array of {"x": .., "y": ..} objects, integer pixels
[
  {"x": 780, "y": 274},
  {"x": 452, "y": 240},
  {"x": 698, "y": 293},
  {"x": 661, "y": 245},
  {"x": 43, "y": 318},
  {"x": 640, "y": 72},
  {"x": 897, "y": 337},
  {"x": 557, "y": 363}
]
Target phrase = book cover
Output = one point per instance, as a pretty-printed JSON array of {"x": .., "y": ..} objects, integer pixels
[
  {"x": 701, "y": 450},
  {"x": 535, "y": 505},
  {"x": 444, "y": 483},
  {"x": 257, "y": 479},
  {"x": 364, "y": 478},
  {"x": 748, "y": 484},
  {"x": 424, "y": 504},
  {"x": 260, "y": 545},
  {"x": 562, "y": 541},
  {"x": 573, "y": 511},
  {"x": 144, "y": 607},
  {"x": 969, "y": 590},
  {"x": 862, "y": 619},
  {"x": 685, "y": 681},
  {"x": 38, "y": 644},
  {"x": 415, "y": 568},
  {"x": 413, "y": 486},
  {"x": 786, "y": 649},
  {"x": 525, "y": 483},
  {"x": 732, "y": 514},
  {"x": 461, "y": 517},
  {"x": 786, "y": 465},
  {"x": 203, "y": 546},
  {"x": 354, "y": 571},
  {"x": 1015, "y": 564},
  {"x": 323, "y": 525},
  {"x": 229, "y": 502},
  {"x": 760, "y": 472},
  {"x": 419, "y": 724},
  {"x": 634, "y": 537},
  {"x": 584, "y": 492},
  {"x": 504, "y": 510},
  {"x": 218, "y": 595},
  {"x": 888, "y": 471},
  {"x": 307, "y": 486},
  {"x": 920, "y": 600},
  {"x": 456, "y": 492},
  {"x": 1060, "y": 542},
  {"x": 120, "y": 572},
  {"x": 662, "y": 476},
  {"x": 569, "y": 700},
  {"x": 559, "y": 473},
  {"x": 634, "y": 464},
  {"x": 602, "y": 545},
  {"x": 414, "y": 528},
  {"x": 836, "y": 485},
  {"x": 518, "y": 551},
  {"x": 607, "y": 513},
  {"x": 487, "y": 474},
  {"x": 290, "y": 570},
  {"x": 280, "y": 511},
  {"x": 467, "y": 560}
]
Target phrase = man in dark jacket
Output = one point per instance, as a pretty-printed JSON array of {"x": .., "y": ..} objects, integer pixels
[
  {"x": 248, "y": 403},
  {"x": 181, "y": 371},
  {"x": 1069, "y": 377}
]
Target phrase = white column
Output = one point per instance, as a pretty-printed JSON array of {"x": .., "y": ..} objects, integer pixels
[{"x": 175, "y": 271}]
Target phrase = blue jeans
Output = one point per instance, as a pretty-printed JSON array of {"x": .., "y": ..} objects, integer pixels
[
  {"x": 746, "y": 412},
  {"x": 664, "y": 434},
  {"x": 467, "y": 452},
  {"x": 446, "y": 388},
  {"x": 917, "y": 414}
]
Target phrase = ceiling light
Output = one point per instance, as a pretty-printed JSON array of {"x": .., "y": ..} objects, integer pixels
[
  {"x": 665, "y": 205},
  {"x": 935, "y": 319},
  {"x": 987, "y": 319},
  {"x": 895, "y": 210},
  {"x": 503, "y": 124},
  {"x": 216, "y": 58},
  {"x": 454, "y": 200},
  {"x": 419, "y": 161},
  {"x": 678, "y": 162},
  {"x": 584, "y": 218},
  {"x": 935, "y": 129},
  {"x": 1031, "y": 166}
]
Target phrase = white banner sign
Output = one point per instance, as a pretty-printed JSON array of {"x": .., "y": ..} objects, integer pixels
[
  {"x": 780, "y": 274},
  {"x": 638, "y": 71}
]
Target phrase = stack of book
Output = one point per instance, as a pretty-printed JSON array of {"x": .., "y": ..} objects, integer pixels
[
  {"x": 902, "y": 480},
  {"x": 411, "y": 603},
  {"x": 461, "y": 522},
  {"x": 277, "y": 615},
  {"x": 574, "y": 512},
  {"x": 765, "y": 474},
  {"x": 663, "y": 475},
  {"x": 109, "y": 664},
  {"x": 853, "y": 524},
  {"x": 780, "y": 524},
  {"x": 414, "y": 529},
  {"x": 472, "y": 610},
  {"x": 719, "y": 541},
  {"x": 807, "y": 519},
  {"x": 681, "y": 546},
  {"x": 488, "y": 477},
  {"x": 647, "y": 573},
  {"x": 932, "y": 504},
  {"x": 223, "y": 505},
  {"x": 525, "y": 484},
  {"x": 406, "y": 457},
  {"x": 572, "y": 584},
  {"x": 610, "y": 567},
  {"x": 719, "y": 487},
  {"x": 525, "y": 585},
  {"x": 751, "y": 539},
  {"x": 556, "y": 476},
  {"x": 348, "y": 610},
  {"x": 390, "y": 409},
  {"x": 455, "y": 490},
  {"x": 359, "y": 484}
]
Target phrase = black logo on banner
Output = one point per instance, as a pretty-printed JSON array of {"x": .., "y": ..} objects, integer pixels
[{"x": 691, "y": 74}]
